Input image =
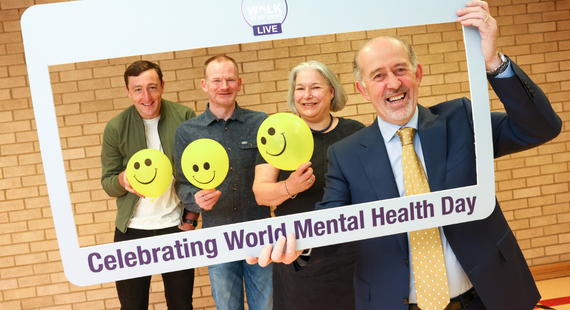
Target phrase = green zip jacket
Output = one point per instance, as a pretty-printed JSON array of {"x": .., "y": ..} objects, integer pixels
[{"x": 124, "y": 136}]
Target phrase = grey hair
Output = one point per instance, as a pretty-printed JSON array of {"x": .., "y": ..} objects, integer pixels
[
  {"x": 340, "y": 97},
  {"x": 411, "y": 55}
]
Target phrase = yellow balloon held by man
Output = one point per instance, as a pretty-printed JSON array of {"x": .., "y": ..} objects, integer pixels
[
  {"x": 205, "y": 163},
  {"x": 149, "y": 172},
  {"x": 285, "y": 141}
]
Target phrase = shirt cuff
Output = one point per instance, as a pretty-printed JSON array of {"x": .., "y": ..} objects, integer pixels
[{"x": 509, "y": 72}]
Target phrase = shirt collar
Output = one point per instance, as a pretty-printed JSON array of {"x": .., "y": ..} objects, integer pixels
[
  {"x": 237, "y": 116},
  {"x": 388, "y": 130}
]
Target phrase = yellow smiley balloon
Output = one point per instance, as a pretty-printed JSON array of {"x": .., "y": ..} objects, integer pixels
[
  {"x": 285, "y": 141},
  {"x": 205, "y": 163},
  {"x": 150, "y": 172}
]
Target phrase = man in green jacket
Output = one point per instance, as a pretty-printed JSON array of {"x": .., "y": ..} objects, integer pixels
[{"x": 150, "y": 123}]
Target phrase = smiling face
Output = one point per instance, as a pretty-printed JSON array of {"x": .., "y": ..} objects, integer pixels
[
  {"x": 285, "y": 141},
  {"x": 149, "y": 172},
  {"x": 145, "y": 90},
  {"x": 279, "y": 142},
  {"x": 222, "y": 83},
  {"x": 205, "y": 163},
  {"x": 389, "y": 80},
  {"x": 313, "y": 95}
]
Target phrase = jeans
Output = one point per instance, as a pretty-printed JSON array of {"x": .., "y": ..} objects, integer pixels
[
  {"x": 178, "y": 285},
  {"x": 227, "y": 282}
]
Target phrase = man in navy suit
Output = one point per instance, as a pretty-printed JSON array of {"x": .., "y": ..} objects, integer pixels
[{"x": 485, "y": 266}]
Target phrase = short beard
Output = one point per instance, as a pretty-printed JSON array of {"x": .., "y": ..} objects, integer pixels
[{"x": 401, "y": 114}]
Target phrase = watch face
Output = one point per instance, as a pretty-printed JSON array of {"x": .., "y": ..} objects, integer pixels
[{"x": 192, "y": 222}]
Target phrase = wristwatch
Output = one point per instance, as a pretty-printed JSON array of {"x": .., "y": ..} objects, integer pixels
[
  {"x": 194, "y": 223},
  {"x": 501, "y": 68}
]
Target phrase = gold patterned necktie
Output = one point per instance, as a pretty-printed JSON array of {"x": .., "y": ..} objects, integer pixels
[{"x": 430, "y": 275}]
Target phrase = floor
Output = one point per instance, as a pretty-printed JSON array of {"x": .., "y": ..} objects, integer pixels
[{"x": 555, "y": 294}]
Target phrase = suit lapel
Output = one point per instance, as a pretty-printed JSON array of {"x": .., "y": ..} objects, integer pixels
[
  {"x": 433, "y": 137},
  {"x": 376, "y": 165}
]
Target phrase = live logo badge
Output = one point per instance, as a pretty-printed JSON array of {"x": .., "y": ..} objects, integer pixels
[{"x": 260, "y": 30}]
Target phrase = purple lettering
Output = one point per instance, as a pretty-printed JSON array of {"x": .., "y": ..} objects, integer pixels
[
  {"x": 234, "y": 240},
  {"x": 319, "y": 228},
  {"x": 130, "y": 259},
  {"x": 305, "y": 232},
  {"x": 390, "y": 216},
  {"x": 379, "y": 216},
  {"x": 251, "y": 240},
  {"x": 142, "y": 254},
  {"x": 90, "y": 262},
  {"x": 109, "y": 262}
]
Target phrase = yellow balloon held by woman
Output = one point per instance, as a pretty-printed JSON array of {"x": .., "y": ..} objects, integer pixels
[
  {"x": 205, "y": 163},
  {"x": 285, "y": 141},
  {"x": 149, "y": 172}
]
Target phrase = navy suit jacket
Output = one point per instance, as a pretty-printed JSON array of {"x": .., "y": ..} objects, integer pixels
[{"x": 360, "y": 171}]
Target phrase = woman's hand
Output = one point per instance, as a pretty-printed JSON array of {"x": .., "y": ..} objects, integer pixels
[
  {"x": 271, "y": 192},
  {"x": 300, "y": 180}
]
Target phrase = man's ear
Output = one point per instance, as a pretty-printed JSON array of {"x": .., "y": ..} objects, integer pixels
[
  {"x": 362, "y": 89},
  {"x": 419, "y": 73}
]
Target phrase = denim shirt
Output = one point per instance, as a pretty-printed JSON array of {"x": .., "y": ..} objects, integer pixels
[{"x": 238, "y": 136}]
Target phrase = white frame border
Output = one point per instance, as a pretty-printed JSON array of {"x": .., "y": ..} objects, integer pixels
[{"x": 86, "y": 30}]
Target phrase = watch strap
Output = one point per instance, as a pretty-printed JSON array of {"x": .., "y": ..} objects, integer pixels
[
  {"x": 192, "y": 222},
  {"x": 501, "y": 68}
]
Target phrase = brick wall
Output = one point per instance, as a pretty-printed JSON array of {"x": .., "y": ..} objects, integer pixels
[{"x": 532, "y": 186}]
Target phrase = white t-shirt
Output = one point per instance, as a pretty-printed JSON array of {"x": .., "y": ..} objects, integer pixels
[{"x": 163, "y": 212}]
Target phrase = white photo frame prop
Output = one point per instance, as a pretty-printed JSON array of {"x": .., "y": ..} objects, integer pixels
[{"x": 79, "y": 31}]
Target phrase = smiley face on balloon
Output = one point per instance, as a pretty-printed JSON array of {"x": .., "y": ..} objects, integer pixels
[
  {"x": 285, "y": 141},
  {"x": 205, "y": 163},
  {"x": 149, "y": 172}
]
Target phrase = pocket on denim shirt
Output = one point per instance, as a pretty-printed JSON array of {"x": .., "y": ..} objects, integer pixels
[{"x": 249, "y": 149}]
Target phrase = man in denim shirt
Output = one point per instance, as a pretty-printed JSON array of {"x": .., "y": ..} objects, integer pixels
[{"x": 233, "y": 201}]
